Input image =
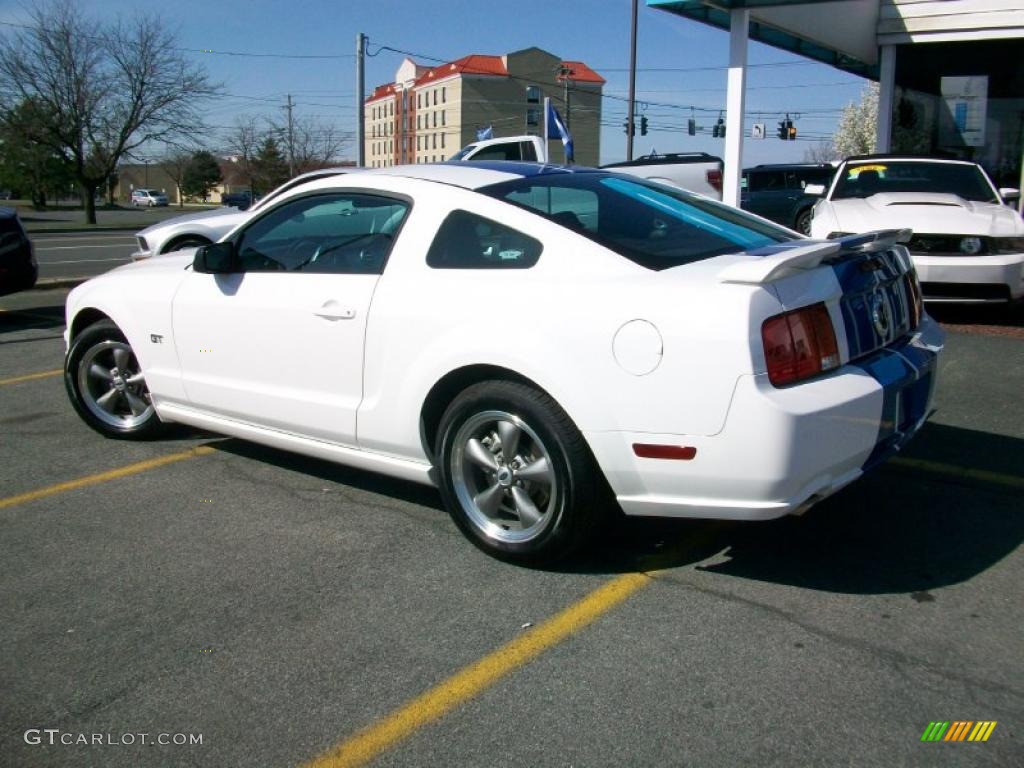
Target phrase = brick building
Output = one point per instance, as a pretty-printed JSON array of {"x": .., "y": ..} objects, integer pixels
[{"x": 428, "y": 113}]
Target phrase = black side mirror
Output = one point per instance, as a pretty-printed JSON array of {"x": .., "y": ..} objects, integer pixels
[{"x": 216, "y": 259}]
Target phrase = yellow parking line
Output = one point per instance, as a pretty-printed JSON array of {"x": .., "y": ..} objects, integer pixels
[
  {"x": 366, "y": 744},
  {"x": 471, "y": 680},
  {"x": 984, "y": 475},
  {"x": 102, "y": 477},
  {"x": 32, "y": 376}
]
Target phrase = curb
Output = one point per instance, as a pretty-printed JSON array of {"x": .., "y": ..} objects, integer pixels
[
  {"x": 78, "y": 230},
  {"x": 53, "y": 283}
]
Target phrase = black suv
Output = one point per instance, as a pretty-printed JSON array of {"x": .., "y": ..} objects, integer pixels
[
  {"x": 777, "y": 192},
  {"x": 18, "y": 268}
]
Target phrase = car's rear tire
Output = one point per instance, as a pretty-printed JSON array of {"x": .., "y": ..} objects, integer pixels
[
  {"x": 106, "y": 385},
  {"x": 803, "y": 222},
  {"x": 516, "y": 475}
]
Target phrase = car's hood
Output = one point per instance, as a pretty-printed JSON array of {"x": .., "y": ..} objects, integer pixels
[
  {"x": 214, "y": 213},
  {"x": 926, "y": 213}
]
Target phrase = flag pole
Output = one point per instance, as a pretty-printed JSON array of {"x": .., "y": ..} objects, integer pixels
[{"x": 547, "y": 141}]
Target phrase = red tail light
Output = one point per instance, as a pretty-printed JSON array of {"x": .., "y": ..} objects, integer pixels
[
  {"x": 799, "y": 344},
  {"x": 714, "y": 178}
]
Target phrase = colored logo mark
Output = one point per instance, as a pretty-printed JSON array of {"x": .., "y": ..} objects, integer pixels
[{"x": 959, "y": 730}]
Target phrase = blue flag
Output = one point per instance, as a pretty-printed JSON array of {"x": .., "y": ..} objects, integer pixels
[
  {"x": 557, "y": 130},
  {"x": 485, "y": 133}
]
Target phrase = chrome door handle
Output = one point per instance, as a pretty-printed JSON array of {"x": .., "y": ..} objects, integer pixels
[{"x": 332, "y": 310}]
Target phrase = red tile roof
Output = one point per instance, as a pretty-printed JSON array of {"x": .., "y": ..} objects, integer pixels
[
  {"x": 474, "y": 64},
  {"x": 481, "y": 64},
  {"x": 581, "y": 73}
]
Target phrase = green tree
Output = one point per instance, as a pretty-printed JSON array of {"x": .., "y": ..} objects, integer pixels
[
  {"x": 99, "y": 90},
  {"x": 270, "y": 167},
  {"x": 33, "y": 169},
  {"x": 201, "y": 175}
]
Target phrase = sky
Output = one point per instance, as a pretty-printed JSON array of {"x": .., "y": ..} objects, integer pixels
[{"x": 681, "y": 63}]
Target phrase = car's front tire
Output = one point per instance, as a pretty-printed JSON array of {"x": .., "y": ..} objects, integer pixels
[
  {"x": 803, "y": 222},
  {"x": 515, "y": 473},
  {"x": 106, "y": 385}
]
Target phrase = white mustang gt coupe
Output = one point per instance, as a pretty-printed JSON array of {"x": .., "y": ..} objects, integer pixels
[
  {"x": 967, "y": 245},
  {"x": 531, "y": 339}
]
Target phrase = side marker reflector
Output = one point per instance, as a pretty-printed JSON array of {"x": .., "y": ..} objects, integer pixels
[{"x": 654, "y": 451}]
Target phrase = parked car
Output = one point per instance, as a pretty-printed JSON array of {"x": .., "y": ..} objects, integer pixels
[
  {"x": 18, "y": 268},
  {"x": 195, "y": 229},
  {"x": 777, "y": 192},
  {"x": 483, "y": 330},
  {"x": 967, "y": 244},
  {"x": 241, "y": 200},
  {"x": 148, "y": 197}
]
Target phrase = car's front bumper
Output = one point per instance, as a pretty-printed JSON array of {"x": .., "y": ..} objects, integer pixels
[
  {"x": 781, "y": 449},
  {"x": 950, "y": 278}
]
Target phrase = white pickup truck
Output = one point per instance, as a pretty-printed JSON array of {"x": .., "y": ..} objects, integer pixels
[{"x": 692, "y": 171}]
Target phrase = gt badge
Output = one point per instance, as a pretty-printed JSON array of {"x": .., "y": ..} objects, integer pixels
[{"x": 156, "y": 338}]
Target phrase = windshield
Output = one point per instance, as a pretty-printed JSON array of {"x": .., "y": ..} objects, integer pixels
[
  {"x": 872, "y": 177},
  {"x": 457, "y": 157},
  {"x": 655, "y": 226}
]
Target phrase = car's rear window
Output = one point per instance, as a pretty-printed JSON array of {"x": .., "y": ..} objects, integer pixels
[{"x": 651, "y": 224}]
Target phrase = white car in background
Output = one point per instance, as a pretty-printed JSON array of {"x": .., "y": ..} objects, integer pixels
[
  {"x": 967, "y": 244},
  {"x": 148, "y": 197},
  {"x": 533, "y": 340},
  {"x": 195, "y": 229}
]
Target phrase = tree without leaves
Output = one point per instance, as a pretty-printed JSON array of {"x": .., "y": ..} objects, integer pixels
[
  {"x": 175, "y": 163},
  {"x": 102, "y": 90},
  {"x": 314, "y": 144},
  {"x": 244, "y": 143},
  {"x": 822, "y": 152},
  {"x": 202, "y": 175}
]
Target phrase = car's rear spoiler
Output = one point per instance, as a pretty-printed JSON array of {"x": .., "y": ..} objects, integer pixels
[{"x": 776, "y": 262}]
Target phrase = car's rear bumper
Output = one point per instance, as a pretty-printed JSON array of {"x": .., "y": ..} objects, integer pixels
[
  {"x": 781, "y": 449},
  {"x": 18, "y": 277},
  {"x": 946, "y": 277}
]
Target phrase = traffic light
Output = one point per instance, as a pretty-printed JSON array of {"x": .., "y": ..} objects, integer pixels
[
  {"x": 783, "y": 132},
  {"x": 691, "y": 127},
  {"x": 718, "y": 129},
  {"x": 790, "y": 130},
  {"x": 643, "y": 125},
  {"x": 625, "y": 127}
]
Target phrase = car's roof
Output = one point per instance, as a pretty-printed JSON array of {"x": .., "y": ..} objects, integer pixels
[
  {"x": 474, "y": 175},
  {"x": 786, "y": 166},
  {"x": 895, "y": 158}
]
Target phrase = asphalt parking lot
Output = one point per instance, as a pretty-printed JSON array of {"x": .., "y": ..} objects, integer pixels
[{"x": 287, "y": 610}]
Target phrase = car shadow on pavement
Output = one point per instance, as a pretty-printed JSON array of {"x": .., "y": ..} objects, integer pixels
[
  {"x": 37, "y": 318},
  {"x": 1003, "y": 315},
  {"x": 939, "y": 515}
]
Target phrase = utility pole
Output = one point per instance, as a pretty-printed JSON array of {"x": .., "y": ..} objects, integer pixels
[
  {"x": 632, "y": 85},
  {"x": 360, "y": 92},
  {"x": 564, "y": 72},
  {"x": 291, "y": 140}
]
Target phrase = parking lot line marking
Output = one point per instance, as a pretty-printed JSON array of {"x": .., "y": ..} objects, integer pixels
[
  {"x": 366, "y": 744},
  {"x": 984, "y": 475},
  {"x": 102, "y": 477},
  {"x": 471, "y": 680},
  {"x": 31, "y": 377}
]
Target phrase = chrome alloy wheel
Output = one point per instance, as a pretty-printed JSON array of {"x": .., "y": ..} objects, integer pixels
[
  {"x": 112, "y": 386},
  {"x": 503, "y": 477}
]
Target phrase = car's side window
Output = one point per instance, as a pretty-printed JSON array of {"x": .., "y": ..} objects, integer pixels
[
  {"x": 576, "y": 209},
  {"x": 767, "y": 181},
  {"x": 468, "y": 241},
  {"x": 341, "y": 233}
]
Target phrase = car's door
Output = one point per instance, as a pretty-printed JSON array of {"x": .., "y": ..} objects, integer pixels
[{"x": 279, "y": 343}]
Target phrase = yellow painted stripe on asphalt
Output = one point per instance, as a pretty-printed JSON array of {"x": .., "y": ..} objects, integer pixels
[
  {"x": 984, "y": 475},
  {"x": 988, "y": 731},
  {"x": 32, "y": 376},
  {"x": 471, "y": 680},
  {"x": 102, "y": 477},
  {"x": 366, "y": 744}
]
